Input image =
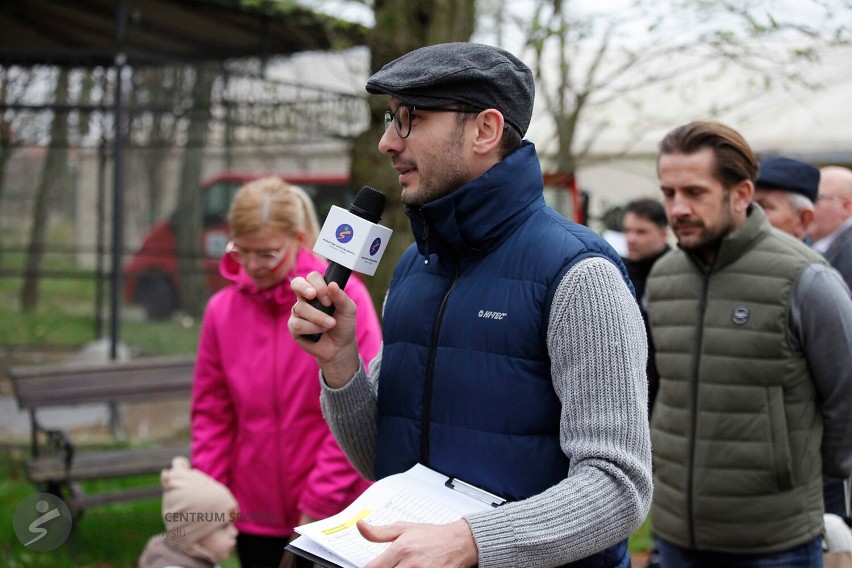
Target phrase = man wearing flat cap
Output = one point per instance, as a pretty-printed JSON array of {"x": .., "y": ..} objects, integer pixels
[
  {"x": 786, "y": 189},
  {"x": 514, "y": 351}
]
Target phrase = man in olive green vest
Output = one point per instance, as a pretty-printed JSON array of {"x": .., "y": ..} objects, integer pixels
[{"x": 753, "y": 333}]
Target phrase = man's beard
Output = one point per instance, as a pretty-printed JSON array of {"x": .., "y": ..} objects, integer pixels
[
  {"x": 709, "y": 242},
  {"x": 448, "y": 172}
]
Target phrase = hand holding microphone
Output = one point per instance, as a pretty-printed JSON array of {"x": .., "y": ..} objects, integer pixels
[{"x": 351, "y": 240}]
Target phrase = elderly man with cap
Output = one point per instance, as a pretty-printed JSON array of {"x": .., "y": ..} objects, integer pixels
[
  {"x": 514, "y": 351},
  {"x": 786, "y": 189}
]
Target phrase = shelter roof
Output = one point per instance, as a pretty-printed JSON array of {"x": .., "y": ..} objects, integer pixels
[{"x": 90, "y": 32}]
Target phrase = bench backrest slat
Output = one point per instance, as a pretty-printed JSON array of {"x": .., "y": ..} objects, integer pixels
[{"x": 136, "y": 380}]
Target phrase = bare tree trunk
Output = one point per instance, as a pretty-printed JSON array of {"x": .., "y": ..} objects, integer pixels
[
  {"x": 159, "y": 86},
  {"x": 401, "y": 26},
  {"x": 192, "y": 289},
  {"x": 6, "y": 145},
  {"x": 5, "y": 154},
  {"x": 52, "y": 180}
]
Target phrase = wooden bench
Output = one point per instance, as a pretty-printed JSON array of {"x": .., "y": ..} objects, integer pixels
[{"x": 56, "y": 464}]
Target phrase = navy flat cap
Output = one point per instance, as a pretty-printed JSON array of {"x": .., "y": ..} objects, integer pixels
[
  {"x": 790, "y": 175},
  {"x": 473, "y": 74}
]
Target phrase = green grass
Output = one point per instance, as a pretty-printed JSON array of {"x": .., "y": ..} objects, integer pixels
[
  {"x": 640, "y": 541},
  {"x": 111, "y": 536},
  {"x": 173, "y": 337},
  {"x": 65, "y": 318}
]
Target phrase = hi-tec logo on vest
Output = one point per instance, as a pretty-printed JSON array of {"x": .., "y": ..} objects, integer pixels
[
  {"x": 740, "y": 315},
  {"x": 344, "y": 233},
  {"x": 492, "y": 315}
]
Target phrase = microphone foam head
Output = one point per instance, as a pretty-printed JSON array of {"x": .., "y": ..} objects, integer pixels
[{"x": 369, "y": 204}]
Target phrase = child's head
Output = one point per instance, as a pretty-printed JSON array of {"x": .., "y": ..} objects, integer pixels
[{"x": 198, "y": 512}]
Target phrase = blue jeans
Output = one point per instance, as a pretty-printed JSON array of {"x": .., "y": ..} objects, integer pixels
[
  {"x": 808, "y": 555},
  {"x": 834, "y": 497}
]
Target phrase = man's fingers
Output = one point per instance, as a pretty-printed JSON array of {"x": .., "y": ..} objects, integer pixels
[
  {"x": 304, "y": 318},
  {"x": 302, "y": 288},
  {"x": 318, "y": 288}
]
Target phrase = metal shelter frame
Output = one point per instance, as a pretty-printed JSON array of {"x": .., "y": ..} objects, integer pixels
[{"x": 117, "y": 34}]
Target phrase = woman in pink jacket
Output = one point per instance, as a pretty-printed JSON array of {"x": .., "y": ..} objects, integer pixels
[{"x": 256, "y": 420}]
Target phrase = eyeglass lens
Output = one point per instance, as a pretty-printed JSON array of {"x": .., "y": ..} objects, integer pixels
[
  {"x": 401, "y": 119},
  {"x": 265, "y": 258}
]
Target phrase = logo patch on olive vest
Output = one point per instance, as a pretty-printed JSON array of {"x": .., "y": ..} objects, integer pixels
[{"x": 741, "y": 315}]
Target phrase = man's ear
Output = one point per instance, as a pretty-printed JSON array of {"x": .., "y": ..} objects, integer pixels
[
  {"x": 742, "y": 195},
  {"x": 806, "y": 216},
  {"x": 489, "y": 131}
]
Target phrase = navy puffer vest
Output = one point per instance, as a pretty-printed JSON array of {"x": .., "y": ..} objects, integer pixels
[{"x": 465, "y": 384}]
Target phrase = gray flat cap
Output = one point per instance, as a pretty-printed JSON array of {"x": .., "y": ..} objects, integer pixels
[{"x": 474, "y": 74}]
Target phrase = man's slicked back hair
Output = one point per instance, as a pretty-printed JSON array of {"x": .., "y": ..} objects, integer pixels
[{"x": 735, "y": 160}]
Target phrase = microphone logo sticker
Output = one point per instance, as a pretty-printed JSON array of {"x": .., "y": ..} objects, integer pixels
[
  {"x": 344, "y": 233},
  {"x": 375, "y": 246}
]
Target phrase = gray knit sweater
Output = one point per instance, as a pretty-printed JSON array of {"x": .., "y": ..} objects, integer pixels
[{"x": 597, "y": 345}]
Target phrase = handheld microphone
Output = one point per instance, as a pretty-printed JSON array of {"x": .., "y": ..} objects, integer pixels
[{"x": 369, "y": 204}]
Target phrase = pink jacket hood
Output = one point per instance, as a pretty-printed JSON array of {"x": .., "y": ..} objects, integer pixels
[{"x": 256, "y": 420}]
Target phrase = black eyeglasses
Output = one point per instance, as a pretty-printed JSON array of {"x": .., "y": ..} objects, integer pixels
[{"x": 403, "y": 115}]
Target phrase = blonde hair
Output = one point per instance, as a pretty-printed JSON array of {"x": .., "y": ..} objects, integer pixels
[{"x": 273, "y": 202}]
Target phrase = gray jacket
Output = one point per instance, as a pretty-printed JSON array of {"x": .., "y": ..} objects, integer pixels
[{"x": 839, "y": 254}]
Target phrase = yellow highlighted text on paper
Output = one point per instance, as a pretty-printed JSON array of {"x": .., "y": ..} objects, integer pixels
[{"x": 348, "y": 524}]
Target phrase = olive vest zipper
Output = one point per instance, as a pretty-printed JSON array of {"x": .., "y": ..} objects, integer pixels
[{"x": 694, "y": 398}]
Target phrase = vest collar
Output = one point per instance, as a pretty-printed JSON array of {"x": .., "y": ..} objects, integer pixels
[{"x": 478, "y": 216}]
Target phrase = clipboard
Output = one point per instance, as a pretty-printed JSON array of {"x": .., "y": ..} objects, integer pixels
[
  {"x": 419, "y": 495},
  {"x": 457, "y": 484},
  {"x": 319, "y": 560}
]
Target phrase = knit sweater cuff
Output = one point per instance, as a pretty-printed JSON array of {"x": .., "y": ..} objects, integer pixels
[
  {"x": 351, "y": 397},
  {"x": 350, "y": 412},
  {"x": 490, "y": 532}
]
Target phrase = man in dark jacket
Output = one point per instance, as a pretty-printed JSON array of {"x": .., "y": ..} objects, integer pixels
[
  {"x": 752, "y": 330},
  {"x": 645, "y": 229},
  {"x": 514, "y": 352}
]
